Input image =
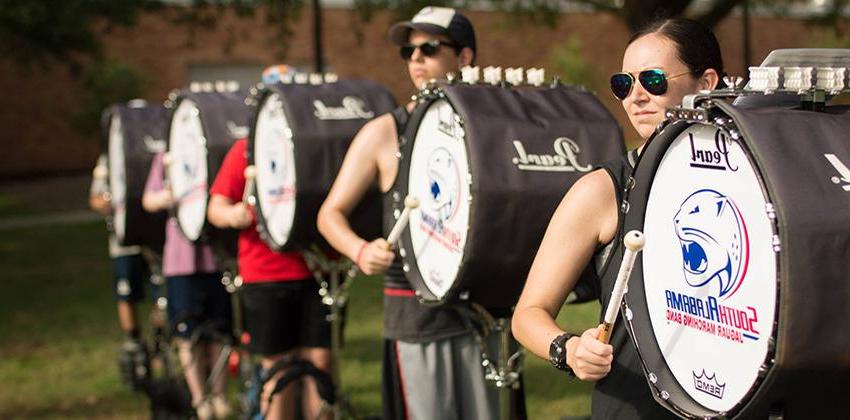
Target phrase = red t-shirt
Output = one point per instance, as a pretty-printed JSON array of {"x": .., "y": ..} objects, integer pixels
[{"x": 257, "y": 262}]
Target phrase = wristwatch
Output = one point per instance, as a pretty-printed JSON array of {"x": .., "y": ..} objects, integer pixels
[{"x": 558, "y": 353}]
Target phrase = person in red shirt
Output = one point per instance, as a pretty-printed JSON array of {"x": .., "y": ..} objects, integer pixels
[{"x": 282, "y": 310}]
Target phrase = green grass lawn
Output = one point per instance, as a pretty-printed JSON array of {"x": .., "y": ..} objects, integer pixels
[{"x": 59, "y": 336}]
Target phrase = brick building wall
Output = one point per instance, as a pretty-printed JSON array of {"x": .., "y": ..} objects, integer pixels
[{"x": 37, "y": 103}]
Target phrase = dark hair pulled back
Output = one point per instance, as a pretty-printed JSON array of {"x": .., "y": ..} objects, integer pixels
[{"x": 696, "y": 45}]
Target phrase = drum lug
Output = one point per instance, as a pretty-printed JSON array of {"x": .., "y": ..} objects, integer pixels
[
  {"x": 624, "y": 207},
  {"x": 630, "y": 184},
  {"x": 777, "y": 245},
  {"x": 406, "y": 268},
  {"x": 653, "y": 378},
  {"x": 396, "y": 196},
  {"x": 771, "y": 212}
]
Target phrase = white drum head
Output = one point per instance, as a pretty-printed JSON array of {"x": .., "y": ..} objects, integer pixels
[
  {"x": 709, "y": 267},
  {"x": 439, "y": 178},
  {"x": 188, "y": 170},
  {"x": 117, "y": 177},
  {"x": 274, "y": 158}
]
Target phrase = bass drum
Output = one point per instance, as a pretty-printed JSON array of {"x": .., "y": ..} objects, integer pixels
[
  {"x": 134, "y": 133},
  {"x": 738, "y": 301},
  {"x": 203, "y": 127},
  {"x": 298, "y": 141},
  {"x": 489, "y": 166}
]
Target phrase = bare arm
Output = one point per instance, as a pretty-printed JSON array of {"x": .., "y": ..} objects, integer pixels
[
  {"x": 361, "y": 167},
  {"x": 154, "y": 201},
  {"x": 586, "y": 217},
  {"x": 223, "y": 213}
]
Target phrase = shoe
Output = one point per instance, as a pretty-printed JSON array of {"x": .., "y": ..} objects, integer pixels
[
  {"x": 220, "y": 406},
  {"x": 204, "y": 409},
  {"x": 133, "y": 364}
]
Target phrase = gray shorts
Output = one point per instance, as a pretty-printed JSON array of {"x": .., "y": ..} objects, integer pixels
[{"x": 444, "y": 380}]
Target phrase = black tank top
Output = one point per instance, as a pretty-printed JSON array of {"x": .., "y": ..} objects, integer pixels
[
  {"x": 624, "y": 392},
  {"x": 405, "y": 318}
]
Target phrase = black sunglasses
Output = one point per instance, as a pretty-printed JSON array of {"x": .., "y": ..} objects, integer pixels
[
  {"x": 653, "y": 81},
  {"x": 428, "y": 48}
]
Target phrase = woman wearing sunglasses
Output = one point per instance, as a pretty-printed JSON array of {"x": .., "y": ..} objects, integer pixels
[{"x": 662, "y": 63}]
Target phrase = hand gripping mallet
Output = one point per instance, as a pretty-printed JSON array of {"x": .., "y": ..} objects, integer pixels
[
  {"x": 634, "y": 242},
  {"x": 410, "y": 203},
  {"x": 250, "y": 177}
]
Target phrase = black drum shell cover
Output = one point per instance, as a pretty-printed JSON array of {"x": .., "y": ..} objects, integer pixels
[
  {"x": 144, "y": 130},
  {"x": 510, "y": 208},
  {"x": 224, "y": 119},
  {"x": 811, "y": 369},
  {"x": 319, "y": 148}
]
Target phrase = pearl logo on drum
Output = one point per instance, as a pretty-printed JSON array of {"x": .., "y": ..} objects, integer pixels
[
  {"x": 712, "y": 158},
  {"x": 843, "y": 171},
  {"x": 352, "y": 108},
  {"x": 709, "y": 384},
  {"x": 565, "y": 158},
  {"x": 714, "y": 241}
]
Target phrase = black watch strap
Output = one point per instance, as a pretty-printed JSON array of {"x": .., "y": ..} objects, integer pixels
[{"x": 558, "y": 353}]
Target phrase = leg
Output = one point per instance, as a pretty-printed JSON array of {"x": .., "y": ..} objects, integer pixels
[
  {"x": 271, "y": 313},
  {"x": 128, "y": 283},
  {"x": 312, "y": 402},
  {"x": 426, "y": 376},
  {"x": 282, "y": 406},
  {"x": 315, "y": 338},
  {"x": 393, "y": 397},
  {"x": 184, "y": 315}
]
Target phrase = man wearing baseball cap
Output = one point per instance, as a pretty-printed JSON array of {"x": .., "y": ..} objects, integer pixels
[{"x": 432, "y": 362}]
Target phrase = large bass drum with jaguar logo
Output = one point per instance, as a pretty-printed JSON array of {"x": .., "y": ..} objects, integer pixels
[
  {"x": 738, "y": 301},
  {"x": 134, "y": 133},
  {"x": 204, "y": 125},
  {"x": 298, "y": 141},
  {"x": 489, "y": 165}
]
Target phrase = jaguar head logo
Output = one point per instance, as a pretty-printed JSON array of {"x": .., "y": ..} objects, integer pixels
[{"x": 714, "y": 241}]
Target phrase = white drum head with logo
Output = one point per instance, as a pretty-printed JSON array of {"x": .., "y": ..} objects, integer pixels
[
  {"x": 439, "y": 174},
  {"x": 274, "y": 158},
  {"x": 188, "y": 169},
  {"x": 117, "y": 177},
  {"x": 709, "y": 267}
]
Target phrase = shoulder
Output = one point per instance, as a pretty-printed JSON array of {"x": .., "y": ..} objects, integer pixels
[
  {"x": 377, "y": 132},
  {"x": 592, "y": 201},
  {"x": 595, "y": 187}
]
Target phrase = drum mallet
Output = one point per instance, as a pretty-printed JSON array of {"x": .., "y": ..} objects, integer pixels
[
  {"x": 634, "y": 242},
  {"x": 410, "y": 203},
  {"x": 100, "y": 172},
  {"x": 250, "y": 177}
]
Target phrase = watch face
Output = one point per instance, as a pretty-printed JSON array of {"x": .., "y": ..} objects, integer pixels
[{"x": 557, "y": 353}]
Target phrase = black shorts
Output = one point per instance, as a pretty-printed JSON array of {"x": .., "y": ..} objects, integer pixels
[
  {"x": 130, "y": 273},
  {"x": 197, "y": 299},
  {"x": 283, "y": 315}
]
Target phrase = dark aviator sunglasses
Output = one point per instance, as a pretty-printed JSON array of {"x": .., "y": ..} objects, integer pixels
[
  {"x": 427, "y": 48},
  {"x": 653, "y": 81}
]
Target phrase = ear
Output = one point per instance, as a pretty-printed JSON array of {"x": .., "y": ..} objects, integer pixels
[
  {"x": 709, "y": 80},
  {"x": 465, "y": 57}
]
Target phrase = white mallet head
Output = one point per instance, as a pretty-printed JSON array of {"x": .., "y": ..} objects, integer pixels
[
  {"x": 250, "y": 172},
  {"x": 411, "y": 202},
  {"x": 634, "y": 240},
  {"x": 100, "y": 172}
]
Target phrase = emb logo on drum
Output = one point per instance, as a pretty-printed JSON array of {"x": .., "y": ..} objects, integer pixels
[{"x": 709, "y": 384}]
